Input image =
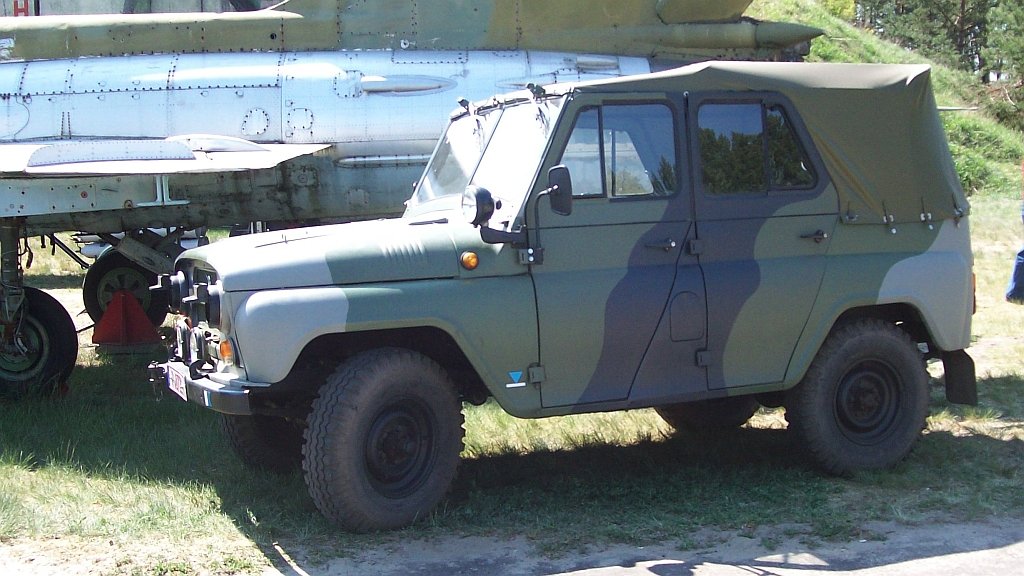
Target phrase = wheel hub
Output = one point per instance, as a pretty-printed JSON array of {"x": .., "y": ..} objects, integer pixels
[
  {"x": 867, "y": 402},
  {"x": 21, "y": 355},
  {"x": 399, "y": 449}
]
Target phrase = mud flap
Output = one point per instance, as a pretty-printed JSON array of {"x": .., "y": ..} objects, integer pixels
[{"x": 961, "y": 381}]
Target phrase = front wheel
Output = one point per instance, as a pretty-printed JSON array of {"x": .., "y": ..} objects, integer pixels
[
  {"x": 864, "y": 400},
  {"x": 383, "y": 440},
  {"x": 42, "y": 352}
]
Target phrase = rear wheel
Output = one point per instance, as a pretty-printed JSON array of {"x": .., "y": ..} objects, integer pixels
[
  {"x": 383, "y": 440},
  {"x": 709, "y": 415},
  {"x": 42, "y": 353},
  {"x": 265, "y": 442},
  {"x": 864, "y": 400}
]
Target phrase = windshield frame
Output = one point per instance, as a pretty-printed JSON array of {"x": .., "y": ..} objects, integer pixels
[{"x": 510, "y": 153}]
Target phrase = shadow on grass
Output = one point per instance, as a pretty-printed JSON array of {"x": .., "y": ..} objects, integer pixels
[
  {"x": 55, "y": 281},
  {"x": 113, "y": 424}
]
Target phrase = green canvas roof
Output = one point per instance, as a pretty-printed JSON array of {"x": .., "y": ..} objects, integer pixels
[{"x": 876, "y": 126}]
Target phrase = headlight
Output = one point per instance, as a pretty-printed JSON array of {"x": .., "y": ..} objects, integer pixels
[
  {"x": 205, "y": 304},
  {"x": 177, "y": 287},
  {"x": 213, "y": 309}
]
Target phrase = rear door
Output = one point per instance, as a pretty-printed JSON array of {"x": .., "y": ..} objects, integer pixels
[{"x": 765, "y": 211}]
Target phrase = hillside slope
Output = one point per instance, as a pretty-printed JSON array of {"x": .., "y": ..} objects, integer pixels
[{"x": 987, "y": 154}]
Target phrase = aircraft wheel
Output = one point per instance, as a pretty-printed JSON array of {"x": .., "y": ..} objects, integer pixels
[
  {"x": 111, "y": 272},
  {"x": 40, "y": 358}
]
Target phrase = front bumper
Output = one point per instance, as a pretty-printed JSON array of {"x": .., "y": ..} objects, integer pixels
[{"x": 199, "y": 388}]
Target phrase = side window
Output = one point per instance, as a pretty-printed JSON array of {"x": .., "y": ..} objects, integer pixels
[
  {"x": 746, "y": 147},
  {"x": 622, "y": 150},
  {"x": 787, "y": 162}
]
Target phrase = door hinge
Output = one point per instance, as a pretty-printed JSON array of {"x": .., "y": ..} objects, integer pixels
[
  {"x": 694, "y": 247},
  {"x": 535, "y": 375},
  {"x": 703, "y": 358},
  {"x": 529, "y": 256}
]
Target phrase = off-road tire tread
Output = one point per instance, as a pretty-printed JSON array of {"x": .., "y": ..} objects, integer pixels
[
  {"x": 339, "y": 400},
  {"x": 264, "y": 442},
  {"x": 815, "y": 428}
]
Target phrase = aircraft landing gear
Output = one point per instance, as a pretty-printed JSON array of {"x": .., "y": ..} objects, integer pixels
[
  {"x": 113, "y": 272},
  {"x": 132, "y": 262},
  {"x": 38, "y": 343}
]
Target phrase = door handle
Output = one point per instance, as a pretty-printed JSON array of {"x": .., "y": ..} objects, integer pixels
[
  {"x": 818, "y": 236},
  {"x": 667, "y": 245}
]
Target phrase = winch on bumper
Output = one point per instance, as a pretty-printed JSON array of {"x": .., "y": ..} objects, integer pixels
[{"x": 192, "y": 369}]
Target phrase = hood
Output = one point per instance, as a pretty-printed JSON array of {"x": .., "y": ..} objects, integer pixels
[{"x": 375, "y": 251}]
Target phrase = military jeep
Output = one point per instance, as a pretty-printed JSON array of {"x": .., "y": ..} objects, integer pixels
[{"x": 701, "y": 241}]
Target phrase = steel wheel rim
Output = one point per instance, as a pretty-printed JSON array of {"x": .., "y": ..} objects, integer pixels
[
  {"x": 399, "y": 448},
  {"x": 867, "y": 402},
  {"x": 123, "y": 278},
  {"x": 36, "y": 343}
]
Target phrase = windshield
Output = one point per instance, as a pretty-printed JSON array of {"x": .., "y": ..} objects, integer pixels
[{"x": 499, "y": 150}]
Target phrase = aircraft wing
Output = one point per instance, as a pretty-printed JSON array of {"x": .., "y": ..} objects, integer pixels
[{"x": 193, "y": 153}]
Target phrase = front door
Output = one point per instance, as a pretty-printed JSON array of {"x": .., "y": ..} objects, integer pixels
[{"x": 608, "y": 267}]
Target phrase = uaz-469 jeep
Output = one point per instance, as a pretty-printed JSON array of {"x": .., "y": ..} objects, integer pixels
[{"x": 702, "y": 241}]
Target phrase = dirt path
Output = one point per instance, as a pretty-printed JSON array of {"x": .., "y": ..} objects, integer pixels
[{"x": 979, "y": 549}]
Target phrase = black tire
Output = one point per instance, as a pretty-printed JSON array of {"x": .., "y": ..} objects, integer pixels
[
  {"x": 111, "y": 272},
  {"x": 265, "y": 442},
  {"x": 44, "y": 354},
  {"x": 383, "y": 440},
  {"x": 864, "y": 400},
  {"x": 709, "y": 415}
]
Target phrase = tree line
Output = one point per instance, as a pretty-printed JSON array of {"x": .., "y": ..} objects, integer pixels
[{"x": 985, "y": 37}]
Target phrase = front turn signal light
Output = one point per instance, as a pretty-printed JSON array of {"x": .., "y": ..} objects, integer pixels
[
  {"x": 469, "y": 260},
  {"x": 227, "y": 352}
]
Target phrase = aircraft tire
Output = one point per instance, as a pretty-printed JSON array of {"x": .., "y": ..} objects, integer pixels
[
  {"x": 111, "y": 272},
  {"x": 47, "y": 348}
]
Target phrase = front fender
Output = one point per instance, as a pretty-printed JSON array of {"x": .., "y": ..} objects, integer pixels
[
  {"x": 493, "y": 321},
  {"x": 272, "y": 327}
]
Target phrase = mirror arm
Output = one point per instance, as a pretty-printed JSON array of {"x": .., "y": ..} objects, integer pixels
[{"x": 492, "y": 236}]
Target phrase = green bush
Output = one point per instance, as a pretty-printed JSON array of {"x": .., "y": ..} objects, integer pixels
[{"x": 839, "y": 8}]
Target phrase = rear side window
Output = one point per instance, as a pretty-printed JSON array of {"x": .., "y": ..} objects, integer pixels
[
  {"x": 750, "y": 147},
  {"x": 622, "y": 150}
]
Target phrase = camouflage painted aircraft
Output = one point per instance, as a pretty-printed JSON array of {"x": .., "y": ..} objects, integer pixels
[{"x": 309, "y": 109}]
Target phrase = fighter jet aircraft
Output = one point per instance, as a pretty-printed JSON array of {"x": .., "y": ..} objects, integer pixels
[{"x": 310, "y": 109}]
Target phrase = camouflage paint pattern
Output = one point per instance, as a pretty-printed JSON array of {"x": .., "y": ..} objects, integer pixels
[
  {"x": 645, "y": 301},
  {"x": 677, "y": 29}
]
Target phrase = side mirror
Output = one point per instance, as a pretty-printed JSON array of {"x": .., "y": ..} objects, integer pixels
[
  {"x": 477, "y": 205},
  {"x": 560, "y": 186}
]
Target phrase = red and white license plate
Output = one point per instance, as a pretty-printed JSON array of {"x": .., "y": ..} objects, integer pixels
[{"x": 176, "y": 382}]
